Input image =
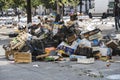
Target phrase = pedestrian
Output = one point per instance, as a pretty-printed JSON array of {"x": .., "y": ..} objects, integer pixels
[{"x": 117, "y": 14}]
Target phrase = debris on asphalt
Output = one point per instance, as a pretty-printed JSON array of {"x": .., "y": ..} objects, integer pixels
[
  {"x": 36, "y": 65},
  {"x": 91, "y": 73},
  {"x": 54, "y": 41}
]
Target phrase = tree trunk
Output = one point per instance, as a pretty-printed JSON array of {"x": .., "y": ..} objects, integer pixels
[
  {"x": 62, "y": 11},
  {"x": 86, "y": 10},
  {"x": 58, "y": 7},
  {"x": 75, "y": 8},
  {"x": 80, "y": 6},
  {"x": 35, "y": 11},
  {"x": 29, "y": 11},
  {"x": 90, "y": 4}
]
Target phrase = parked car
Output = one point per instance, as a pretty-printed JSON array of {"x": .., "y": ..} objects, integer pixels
[
  {"x": 1, "y": 14},
  {"x": 10, "y": 12}
]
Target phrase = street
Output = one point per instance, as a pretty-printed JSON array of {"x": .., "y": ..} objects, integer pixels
[{"x": 59, "y": 70}]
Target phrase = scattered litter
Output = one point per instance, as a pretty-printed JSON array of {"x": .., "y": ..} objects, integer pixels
[
  {"x": 95, "y": 74},
  {"x": 12, "y": 62},
  {"x": 85, "y": 61},
  {"x": 55, "y": 41},
  {"x": 108, "y": 65},
  {"x": 36, "y": 65}
]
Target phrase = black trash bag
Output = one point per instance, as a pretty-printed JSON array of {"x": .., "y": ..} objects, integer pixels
[
  {"x": 13, "y": 34},
  {"x": 51, "y": 43},
  {"x": 116, "y": 51},
  {"x": 35, "y": 47},
  {"x": 6, "y": 47}
]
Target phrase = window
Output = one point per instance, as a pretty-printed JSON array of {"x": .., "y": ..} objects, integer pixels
[{"x": 111, "y": 5}]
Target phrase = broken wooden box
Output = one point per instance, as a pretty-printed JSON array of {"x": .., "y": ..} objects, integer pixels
[{"x": 22, "y": 57}]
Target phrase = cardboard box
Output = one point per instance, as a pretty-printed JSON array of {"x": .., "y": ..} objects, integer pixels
[
  {"x": 96, "y": 36},
  {"x": 69, "y": 50}
]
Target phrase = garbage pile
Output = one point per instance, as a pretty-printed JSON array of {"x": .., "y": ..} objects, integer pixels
[{"x": 50, "y": 41}]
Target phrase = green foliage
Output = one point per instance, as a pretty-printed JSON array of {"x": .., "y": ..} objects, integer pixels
[
  {"x": 35, "y": 3},
  {"x": 17, "y": 3},
  {"x": 74, "y": 2},
  {"x": 47, "y": 3},
  {"x": 2, "y": 3},
  {"x": 12, "y": 3}
]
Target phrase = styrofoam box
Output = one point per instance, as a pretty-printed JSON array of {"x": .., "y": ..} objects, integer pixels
[{"x": 85, "y": 60}]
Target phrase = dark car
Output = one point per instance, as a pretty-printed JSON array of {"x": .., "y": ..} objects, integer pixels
[{"x": 1, "y": 13}]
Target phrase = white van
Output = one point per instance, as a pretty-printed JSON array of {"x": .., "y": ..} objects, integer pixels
[{"x": 102, "y": 6}]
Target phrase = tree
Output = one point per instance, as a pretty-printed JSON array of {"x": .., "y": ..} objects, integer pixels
[
  {"x": 12, "y": 3},
  {"x": 80, "y": 6},
  {"x": 29, "y": 11},
  {"x": 89, "y": 4},
  {"x": 18, "y": 4},
  {"x": 48, "y": 3},
  {"x": 86, "y": 7},
  {"x": 74, "y": 3},
  {"x": 34, "y": 4},
  {"x": 2, "y": 4},
  {"x": 63, "y": 3}
]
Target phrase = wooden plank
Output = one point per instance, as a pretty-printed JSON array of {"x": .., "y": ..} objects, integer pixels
[{"x": 23, "y": 57}]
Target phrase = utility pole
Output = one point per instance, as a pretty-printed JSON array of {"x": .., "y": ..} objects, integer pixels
[{"x": 29, "y": 20}]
